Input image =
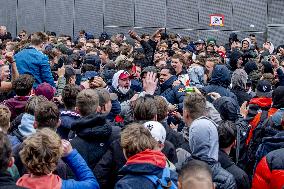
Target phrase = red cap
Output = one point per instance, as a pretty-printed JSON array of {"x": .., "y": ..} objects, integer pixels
[{"x": 124, "y": 75}]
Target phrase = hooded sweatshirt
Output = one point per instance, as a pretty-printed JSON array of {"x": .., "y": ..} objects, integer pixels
[
  {"x": 26, "y": 127},
  {"x": 204, "y": 145}
]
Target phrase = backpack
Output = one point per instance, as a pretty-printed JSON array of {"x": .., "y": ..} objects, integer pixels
[{"x": 162, "y": 183}]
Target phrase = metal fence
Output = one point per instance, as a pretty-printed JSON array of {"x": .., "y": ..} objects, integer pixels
[{"x": 186, "y": 17}]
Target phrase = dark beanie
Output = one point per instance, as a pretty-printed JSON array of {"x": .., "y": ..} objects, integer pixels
[{"x": 278, "y": 97}]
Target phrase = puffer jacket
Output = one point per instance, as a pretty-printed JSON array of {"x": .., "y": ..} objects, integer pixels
[
  {"x": 220, "y": 82},
  {"x": 269, "y": 172},
  {"x": 85, "y": 177},
  {"x": 93, "y": 137},
  {"x": 173, "y": 94}
]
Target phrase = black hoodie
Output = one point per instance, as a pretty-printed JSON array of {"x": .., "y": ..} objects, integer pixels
[{"x": 94, "y": 135}]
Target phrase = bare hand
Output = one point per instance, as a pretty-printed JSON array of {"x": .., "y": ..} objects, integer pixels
[
  {"x": 214, "y": 95},
  {"x": 97, "y": 82},
  {"x": 244, "y": 110},
  {"x": 61, "y": 71},
  {"x": 67, "y": 148},
  {"x": 150, "y": 83},
  {"x": 176, "y": 83},
  {"x": 9, "y": 56},
  {"x": 134, "y": 35},
  {"x": 173, "y": 126},
  {"x": 177, "y": 115}
]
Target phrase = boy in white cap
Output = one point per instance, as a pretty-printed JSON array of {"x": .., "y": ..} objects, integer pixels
[{"x": 158, "y": 132}]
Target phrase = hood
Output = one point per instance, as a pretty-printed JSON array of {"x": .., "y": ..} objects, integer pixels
[
  {"x": 248, "y": 40},
  {"x": 6, "y": 179},
  {"x": 115, "y": 79},
  {"x": 278, "y": 97},
  {"x": 204, "y": 140},
  {"x": 234, "y": 57},
  {"x": 239, "y": 79},
  {"x": 146, "y": 162},
  {"x": 277, "y": 117},
  {"x": 89, "y": 121},
  {"x": 273, "y": 143},
  {"x": 168, "y": 84},
  {"x": 263, "y": 102},
  {"x": 220, "y": 76},
  {"x": 43, "y": 182},
  {"x": 228, "y": 108},
  {"x": 92, "y": 127},
  {"x": 27, "y": 125}
]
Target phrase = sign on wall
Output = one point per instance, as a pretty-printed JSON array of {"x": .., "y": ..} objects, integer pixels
[{"x": 216, "y": 20}]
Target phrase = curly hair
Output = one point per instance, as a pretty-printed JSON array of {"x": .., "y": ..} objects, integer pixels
[
  {"x": 23, "y": 84},
  {"x": 162, "y": 108},
  {"x": 41, "y": 152}
]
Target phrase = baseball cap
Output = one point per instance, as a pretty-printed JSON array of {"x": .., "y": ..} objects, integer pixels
[
  {"x": 157, "y": 130},
  {"x": 199, "y": 41},
  {"x": 105, "y": 96},
  {"x": 211, "y": 41},
  {"x": 46, "y": 90},
  {"x": 124, "y": 75},
  {"x": 89, "y": 74},
  {"x": 263, "y": 88}
]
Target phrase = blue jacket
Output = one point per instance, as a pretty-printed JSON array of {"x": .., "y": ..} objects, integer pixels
[
  {"x": 173, "y": 94},
  {"x": 148, "y": 162},
  {"x": 84, "y": 175},
  {"x": 220, "y": 82},
  {"x": 67, "y": 118},
  {"x": 33, "y": 62}
]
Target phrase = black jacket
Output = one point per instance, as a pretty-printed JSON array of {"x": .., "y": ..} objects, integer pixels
[
  {"x": 94, "y": 135},
  {"x": 241, "y": 177},
  {"x": 172, "y": 136},
  {"x": 7, "y": 182},
  {"x": 106, "y": 170},
  {"x": 241, "y": 95}
]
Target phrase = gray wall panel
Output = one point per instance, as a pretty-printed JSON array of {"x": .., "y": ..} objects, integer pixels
[
  {"x": 59, "y": 16},
  {"x": 182, "y": 14},
  {"x": 8, "y": 15},
  {"x": 30, "y": 18},
  {"x": 208, "y": 7},
  {"x": 276, "y": 36},
  {"x": 89, "y": 16},
  {"x": 275, "y": 11},
  {"x": 119, "y": 12},
  {"x": 249, "y": 12},
  {"x": 150, "y": 13}
]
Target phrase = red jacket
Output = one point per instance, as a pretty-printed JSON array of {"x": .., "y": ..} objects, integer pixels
[{"x": 269, "y": 172}]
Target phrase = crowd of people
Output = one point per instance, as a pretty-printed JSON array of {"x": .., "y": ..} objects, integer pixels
[{"x": 140, "y": 111}]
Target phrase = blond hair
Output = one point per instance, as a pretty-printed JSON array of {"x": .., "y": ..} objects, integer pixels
[
  {"x": 41, "y": 152},
  {"x": 5, "y": 116},
  {"x": 135, "y": 138}
]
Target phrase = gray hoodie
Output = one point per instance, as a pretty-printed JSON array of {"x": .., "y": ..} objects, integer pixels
[{"x": 203, "y": 139}]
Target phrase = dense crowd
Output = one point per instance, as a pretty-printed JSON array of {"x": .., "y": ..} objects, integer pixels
[{"x": 152, "y": 111}]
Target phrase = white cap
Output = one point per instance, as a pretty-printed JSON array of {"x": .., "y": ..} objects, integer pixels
[{"x": 157, "y": 130}]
